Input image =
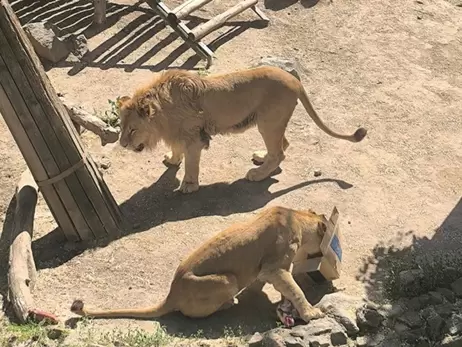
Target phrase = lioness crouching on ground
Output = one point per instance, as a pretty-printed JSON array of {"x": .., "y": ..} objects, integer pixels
[
  {"x": 184, "y": 110},
  {"x": 243, "y": 256}
]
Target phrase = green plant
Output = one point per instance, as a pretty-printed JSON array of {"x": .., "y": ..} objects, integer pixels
[
  {"x": 136, "y": 338},
  {"x": 111, "y": 116}
]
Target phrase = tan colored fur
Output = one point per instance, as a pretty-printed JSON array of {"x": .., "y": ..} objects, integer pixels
[
  {"x": 184, "y": 110},
  {"x": 245, "y": 255}
]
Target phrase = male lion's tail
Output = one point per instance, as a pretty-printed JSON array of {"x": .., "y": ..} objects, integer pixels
[
  {"x": 359, "y": 134},
  {"x": 148, "y": 312}
]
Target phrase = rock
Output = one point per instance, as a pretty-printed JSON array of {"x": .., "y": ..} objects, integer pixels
[
  {"x": 411, "y": 319},
  {"x": 415, "y": 304},
  {"x": 291, "y": 341},
  {"x": 435, "y": 326},
  {"x": 410, "y": 278},
  {"x": 256, "y": 340},
  {"x": 444, "y": 310},
  {"x": 105, "y": 163},
  {"x": 338, "y": 338},
  {"x": 343, "y": 308},
  {"x": 273, "y": 339},
  {"x": 424, "y": 300},
  {"x": 447, "y": 293},
  {"x": 291, "y": 66},
  {"x": 317, "y": 173},
  {"x": 454, "y": 325},
  {"x": 423, "y": 343},
  {"x": 413, "y": 336},
  {"x": 361, "y": 341},
  {"x": 451, "y": 341},
  {"x": 320, "y": 341},
  {"x": 435, "y": 298},
  {"x": 45, "y": 39},
  {"x": 394, "y": 309},
  {"x": 54, "y": 333},
  {"x": 456, "y": 287},
  {"x": 367, "y": 318},
  {"x": 401, "y": 328}
]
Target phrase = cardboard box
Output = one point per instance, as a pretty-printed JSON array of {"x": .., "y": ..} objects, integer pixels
[{"x": 325, "y": 266}]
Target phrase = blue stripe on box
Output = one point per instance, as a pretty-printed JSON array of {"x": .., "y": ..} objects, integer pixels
[{"x": 335, "y": 245}]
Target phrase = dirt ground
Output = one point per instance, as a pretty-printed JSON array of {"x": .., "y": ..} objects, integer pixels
[{"x": 393, "y": 67}]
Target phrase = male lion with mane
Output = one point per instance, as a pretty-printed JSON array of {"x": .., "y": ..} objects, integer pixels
[
  {"x": 184, "y": 110},
  {"x": 245, "y": 255}
]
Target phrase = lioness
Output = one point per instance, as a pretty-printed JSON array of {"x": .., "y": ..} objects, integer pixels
[
  {"x": 184, "y": 110},
  {"x": 245, "y": 255}
]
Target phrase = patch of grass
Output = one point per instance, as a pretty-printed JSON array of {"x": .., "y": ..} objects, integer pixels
[
  {"x": 203, "y": 72},
  {"x": 111, "y": 116},
  {"x": 136, "y": 338},
  {"x": 31, "y": 333}
]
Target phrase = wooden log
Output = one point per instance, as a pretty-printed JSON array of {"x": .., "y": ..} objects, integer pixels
[
  {"x": 182, "y": 11},
  {"x": 67, "y": 176},
  {"x": 206, "y": 28},
  {"x": 99, "y": 14},
  {"x": 22, "y": 273},
  {"x": 92, "y": 123}
]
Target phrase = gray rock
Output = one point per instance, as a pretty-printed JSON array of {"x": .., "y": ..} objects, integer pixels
[
  {"x": 291, "y": 341},
  {"x": 456, "y": 287},
  {"x": 424, "y": 300},
  {"x": 447, "y": 293},
  {"x": 423, "y": 343},
  {"x": 413, "y": 336},
  {"x": 444, "y": 310},
  {"x": 435, "y": 326},
  {"x": 394, "y": 309},
  {"x": 343, "y": 308},
  {"x": 408, "y": 278},
  {"x": 54, "y": 333},
  {"x": 411, "y": 319},
  {"x": 415, "y": 304},
  {"x": 367, "y": 318},
  {"x": 320, "y": 341},
  {"x": 338, "y": 338},
  {"x": 361, "y": 341},
  {"x": 435, "y": 298},
  {"x": 401, "y": 328},
  {"x": 256, "y": 340},
  {"x": 273, "y": 339},
  {"x": 454, "y": 325},
  {"x": 79, "y": 46},
  {"x": 45, "y": 39},
  {"x": 451, "y": 341},
  {"x": 290, "y": 65}
]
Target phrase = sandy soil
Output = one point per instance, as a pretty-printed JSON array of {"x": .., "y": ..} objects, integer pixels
[{"x": 391, "y": 66}]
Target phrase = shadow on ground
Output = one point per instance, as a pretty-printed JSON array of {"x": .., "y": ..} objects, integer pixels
[
  {"x": 75, "y": 17},
  {"x": 438, "y": 257},
  {"x": 160, "y": 203}
]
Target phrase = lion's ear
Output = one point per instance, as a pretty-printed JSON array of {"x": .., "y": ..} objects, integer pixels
[{"x": 122, "y": 100}]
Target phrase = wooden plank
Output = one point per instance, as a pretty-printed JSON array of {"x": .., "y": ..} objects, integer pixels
[
  {"x": 217, "y": 21},
  {"x": 46, "y": 113},
  {"x": 60, "y": 213},
  {"x": 60, "y": 121},
  {"x": 18, "y": 90},
  {"x": 180, "y": 13}
]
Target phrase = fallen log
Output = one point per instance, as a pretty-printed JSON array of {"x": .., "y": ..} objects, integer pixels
[
  {"x": 22, "y": 273},
  {"x": 90, "y": 122}
]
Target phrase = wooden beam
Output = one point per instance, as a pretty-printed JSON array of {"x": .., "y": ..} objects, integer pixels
[
  {"x": 67, "y": 176},
  {"x": 182, "y": 11},
  {"x": 206, "y": 28}
]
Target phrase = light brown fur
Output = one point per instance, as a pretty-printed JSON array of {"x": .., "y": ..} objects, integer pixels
[
  {"x": 184, "y": 110},
  {"x": 243, "y": 256}
]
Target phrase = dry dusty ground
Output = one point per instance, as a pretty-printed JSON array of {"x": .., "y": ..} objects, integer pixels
[{"x": 391, "y": 66}]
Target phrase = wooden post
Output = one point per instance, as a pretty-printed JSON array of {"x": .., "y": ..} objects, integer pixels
[
  {"x": 99, "y": 14},
  {"x": 206, "y": 28},
  {"x": 68, "y": 178}
]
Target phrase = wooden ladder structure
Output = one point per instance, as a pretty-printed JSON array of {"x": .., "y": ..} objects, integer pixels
[{"x": 193, "y": 36}]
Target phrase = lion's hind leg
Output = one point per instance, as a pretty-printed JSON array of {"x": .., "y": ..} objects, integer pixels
[
  {"x": 205, "y": 295},
  {"x": 285, "y": 284},
  {"x": 259, "y": 157}
]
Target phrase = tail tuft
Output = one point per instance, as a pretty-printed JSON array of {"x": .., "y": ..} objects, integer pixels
[
  {"x": 77, "y": 307},
  {"x": 360, "y": 134}
]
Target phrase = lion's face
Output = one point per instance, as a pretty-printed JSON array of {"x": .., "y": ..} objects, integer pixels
[{"x": 136, "y": 133}]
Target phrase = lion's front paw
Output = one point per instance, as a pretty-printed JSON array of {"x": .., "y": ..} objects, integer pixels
[
  {"x": 314, "y": 313},
  {"x": 256, "y": 175},
  {"x": 189, "y": 187},
  {"x": 172, "y": 160}
]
